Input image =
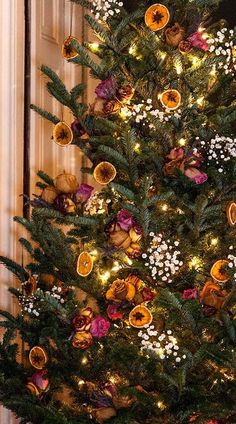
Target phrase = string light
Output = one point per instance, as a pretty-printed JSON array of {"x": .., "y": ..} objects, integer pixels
[
  {"x": 81, "y": 383},
  {"x": 116, "y": 266},
  {"x": 133, "y": 50},
  {"x": 105, "y": 276},
  {"x": 182, "y": 142},
  {"x": 214, "y": 241},
  {"x": 161, "y": 405},
  {"x": 163, "y": 55},
  {"x": 137, "y": 148},
  {"x": 179, "y": 68},
  {"x": 164, "y": 207},
  {"x": 128, "y": 261},
  {"x": 124, "y": 113},
  {"x": 94, "y": 252},
  {"x": 84, "y": 360},
  {"x": 200, "y": 101},
  {"x": 195, "y": 263},
  {"x": 94, "y": 47},
  {"x": 195, "y": 61}
]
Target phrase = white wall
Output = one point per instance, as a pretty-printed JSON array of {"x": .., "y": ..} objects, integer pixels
[{"x": 51, "y": 22}]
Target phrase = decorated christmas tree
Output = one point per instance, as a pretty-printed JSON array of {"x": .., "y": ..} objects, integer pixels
[{"x": 127, "y": 303}]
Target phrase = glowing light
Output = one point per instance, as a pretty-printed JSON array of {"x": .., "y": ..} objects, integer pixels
[
  {"x": 213, "y": 72},
  {"x": 128, "y": 261},
  {"x": 133, "y": 50},
  {"x": 84, "y": 360},
  {"x": 195, "y": 263},
  {"x": 163, "y": 55},
  {"x": 137, "y": 147},
  {"x": 94, "y": 47},
  {"x": 179, "y": 68},
  {"x": 201, "y": 29},
  {"x": 195, "y": 60},
  {"x": 161, "y": 405},
  {"x": 205, "y": 36},
  {"x": 116, "y": 266},
  {"x": 105, "y": 276},
  {"x": 124, "y": 113},
  {"x": 182, "y": 142},
  {"x": 214, "y": 241},
  {"x": 164, "y": 207},
  {"x": 200, "y": 101},
  {"x": 81, "y": 383},
  {"x": 94, "y": 252}
]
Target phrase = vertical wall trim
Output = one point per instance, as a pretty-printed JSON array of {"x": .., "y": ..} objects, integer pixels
[{"x": 27, "y": 96}]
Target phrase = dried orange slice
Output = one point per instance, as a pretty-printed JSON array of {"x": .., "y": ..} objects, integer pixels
[
  {"x": 38, "y": 357},
  {"x": 231, "y": 213},
  {"x": 67, "y": 50},
  {"x": 157, "y": 17},
  {"x": 140, "y": 316},
  {"x": 32, "y": 388},
  {"x": 104, "y": 173},
  {"x": 62, "y": 134},
  {"x": 84, "y": 264},
  {"x": 218, "y": 271},
  {"x": 170, "y": 99}
]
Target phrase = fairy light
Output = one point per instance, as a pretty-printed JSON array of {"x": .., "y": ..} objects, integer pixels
[
  {"x": 200, "y": 101},
  {"x": 133, "y": 50},
  {"x": 128, "y": 261},
  {"x": 84, "y": 360},
  {"x": 81, "y": 383},
  {"x": 94, "y": 47},
  {"x": 179, "y": 68},
  {"x": 163, "y": 55},
  {"x": 195, "y": 263},
  {"x": 213, "y": 71},
  {"x": 137, "y": 147},
  {"x": 116, "y": 266},
  {"x": 195, "y": 61},
  {"x": 182, "y": 142},
  {"x": 164, "y": 207},
  {"x": 94, "y": 252},
  {"x": 105, "y": 276},
  {"x": 124, "y": 113},
  {"x": 214, "y": 241},
  {"x": 161, "y": 405}
]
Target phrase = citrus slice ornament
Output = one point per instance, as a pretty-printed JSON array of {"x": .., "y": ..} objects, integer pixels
[
  {"x": 84, "y": 264},
  {"x": 67, "y": 50},
  {"x": 140, "y": 316},
  {"x": 157, "y": 17},
  {"x": 38, "y": 357},
  {"x": 218, "y": 271},
  {"x": 62, "y": 134},
  {"x": 104, "y": 173},
  {"x": 231, "y": 213},
  {"x": 170, "y": 99}
]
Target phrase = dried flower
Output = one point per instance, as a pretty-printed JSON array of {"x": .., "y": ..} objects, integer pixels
[
  {"x": 174, "y": 35},
  {"x": 100, "y": 327}
]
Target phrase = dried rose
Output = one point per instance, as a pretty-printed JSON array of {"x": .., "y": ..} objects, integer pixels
[
  {"x": 100, "y": 327},
  {"x": 83, "y": 320},
  {"x": 84, "y": 192},
  {"x": 40, "y": 380},
  {"x": 82, "y": 340},
  {"x": 125, "y": 93},
  {"x": 113, "y": 312},
  {"x": 185, "y": 46},
  {"x": 174, "y": 35},
  {"x": 103, "y": 414},
  {"x": 110, "y": 107},
  {"x": 197, "y": 40},
  {"x": 64, "y": 204},
  {"x": 147, "y": 294},
  {"x": 120, "y": 291},
  {"x": 107, "y": 89},
  {"x": 78, "y": 130},
  {"x": 190, "y": 294},
  {"x": 125, "y": 219}
]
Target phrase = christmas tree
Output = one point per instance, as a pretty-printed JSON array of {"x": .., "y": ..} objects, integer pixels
[{"x": 127, "y": 303}]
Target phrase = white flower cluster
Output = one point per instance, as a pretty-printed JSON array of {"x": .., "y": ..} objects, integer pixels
[
  {"x": 163, "y": 258},
  {"x": 164, "y": 345},
  {"x": 232, "y": 260},
  {"x": 220, "y": 149},
  {"x": 96, "y": 205},
  {"x": 143, "y": 112},
  {"x": 56, "y": 292},
  {"x": 104, "y": 9},
  {"x": 29, "y": 304},
  {"x": 224, "y": 46}
]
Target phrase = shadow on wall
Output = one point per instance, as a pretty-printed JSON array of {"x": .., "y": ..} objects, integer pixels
[{"x": 226, "y": 10}]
